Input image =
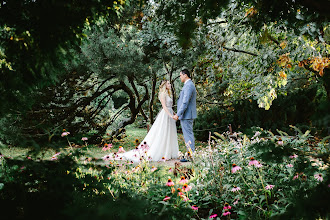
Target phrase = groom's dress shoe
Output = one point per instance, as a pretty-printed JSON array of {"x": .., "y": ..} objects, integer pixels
[{"x": 184, "y": 160}]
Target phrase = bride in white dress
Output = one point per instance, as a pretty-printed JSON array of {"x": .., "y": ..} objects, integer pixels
[{"x": 161, "y": 142}]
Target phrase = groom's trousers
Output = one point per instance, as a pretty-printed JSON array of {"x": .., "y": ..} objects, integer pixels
[{"x": 188, "y": 133}]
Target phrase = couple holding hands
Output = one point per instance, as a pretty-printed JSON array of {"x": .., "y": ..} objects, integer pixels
[{"x": 161, "y": 142}]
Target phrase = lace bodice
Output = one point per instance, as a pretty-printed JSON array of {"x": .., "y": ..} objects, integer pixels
[{"x": 169, "y": 102}]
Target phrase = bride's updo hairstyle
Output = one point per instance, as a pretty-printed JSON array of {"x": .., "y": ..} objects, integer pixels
[{"x": 163, "y": 90}]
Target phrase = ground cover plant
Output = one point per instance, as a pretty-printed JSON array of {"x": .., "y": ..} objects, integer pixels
[{"x": 264, "y": 176}]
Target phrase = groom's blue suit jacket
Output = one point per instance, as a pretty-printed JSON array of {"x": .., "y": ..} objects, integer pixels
[{"x": 186, "y": 108}]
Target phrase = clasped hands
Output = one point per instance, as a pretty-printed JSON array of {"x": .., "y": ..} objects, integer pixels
[{"x": 175, "y": 117}]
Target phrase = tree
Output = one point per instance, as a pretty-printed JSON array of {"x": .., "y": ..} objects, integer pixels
[{"x": 35, "y": 38}]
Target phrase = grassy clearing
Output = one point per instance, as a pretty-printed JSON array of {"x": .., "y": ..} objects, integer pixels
[{"x": 133, "y": 137}]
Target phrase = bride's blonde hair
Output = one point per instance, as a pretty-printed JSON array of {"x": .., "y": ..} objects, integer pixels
[{"x": 163, "y": 90}]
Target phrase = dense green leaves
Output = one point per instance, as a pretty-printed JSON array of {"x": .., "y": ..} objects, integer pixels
[{"x": 35, "y": 38}]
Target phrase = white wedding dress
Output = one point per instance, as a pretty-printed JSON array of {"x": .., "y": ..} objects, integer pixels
[{"x": 161, "y": 142}]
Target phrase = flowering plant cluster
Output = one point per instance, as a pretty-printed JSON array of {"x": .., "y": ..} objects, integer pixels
[
  {"x": 260, "y": 177},
  {"x": 263, "y": 176}
]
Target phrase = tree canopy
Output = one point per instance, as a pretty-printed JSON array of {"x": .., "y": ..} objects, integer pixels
[{"x": 95, "y": 68}]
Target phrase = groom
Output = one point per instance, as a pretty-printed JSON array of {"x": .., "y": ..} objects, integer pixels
[{"x": 186, "y": 110}]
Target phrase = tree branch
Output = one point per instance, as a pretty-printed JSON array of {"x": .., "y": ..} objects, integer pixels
[{"x": 239, "y": 51}]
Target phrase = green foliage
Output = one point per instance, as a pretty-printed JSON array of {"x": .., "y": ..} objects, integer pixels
[
  {"x": 300, "y": 108},
  {"x": 289, "y": 166},
  {"x": 35, "y": 39},
  {"x": 183, "y": 16},
  {"x": 287, "y": 179}
]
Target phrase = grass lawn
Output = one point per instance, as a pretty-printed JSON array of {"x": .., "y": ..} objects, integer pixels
[{"x": 133, "y": 137}]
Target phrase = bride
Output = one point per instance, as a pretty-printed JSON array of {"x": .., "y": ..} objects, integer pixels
[{"x": 161, "y": 142}]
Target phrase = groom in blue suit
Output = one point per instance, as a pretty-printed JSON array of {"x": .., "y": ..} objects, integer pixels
[{"x": 186, "y": 109}]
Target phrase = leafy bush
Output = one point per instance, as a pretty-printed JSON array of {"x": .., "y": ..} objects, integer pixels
[
  {"x": 303, "y": 108},
  {"x": 267, "y": 176}
]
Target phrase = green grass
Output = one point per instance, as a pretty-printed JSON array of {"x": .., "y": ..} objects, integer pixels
[{"x": 133, "y": 136}]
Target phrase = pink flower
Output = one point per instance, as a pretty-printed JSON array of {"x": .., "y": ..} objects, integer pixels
[
  {"x": 318, "y": 177},
  {"x": 296, "y": 176},
  {"x": 163, "y": 159},
  {"x": 235, "y": 203},
  {"x": 108, "y": 157},
  {"x": 213, "y": 216},
  {"x": 107, "y": 147},
  {"x": 269, "y": 187},
  {"x": 253, "y": 162},
  {"x": 227, "y": 206},
  {"x": 258, "y": 165},
  {"x": 280, "y": 142},
  {"x": 193, "y": 207},
  {"x": 65, "y": 134},
  {"x": 153, "y": 168},
  {"x": 144, "y": 146},
  {"x": 54, "y": 157},
  {"x": 293, "y": 156},
  {"x": 186, "y": 188},
  {"x": 170, "y": 170},
  {"x": 185, "y": 198},
  {"x": 289, "y": 165},
  {"x": 121, "y": 150},
  {"x": 169, "y": 183},
  {"x": 235, "y": 168},
  {"x": 183, "y": 180},
  {"x": 166, "y": 198},
  {"x": 226, "y": 213},
  {"x": 84, "y": 138},
  {"x": 236, "y": 188}
]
